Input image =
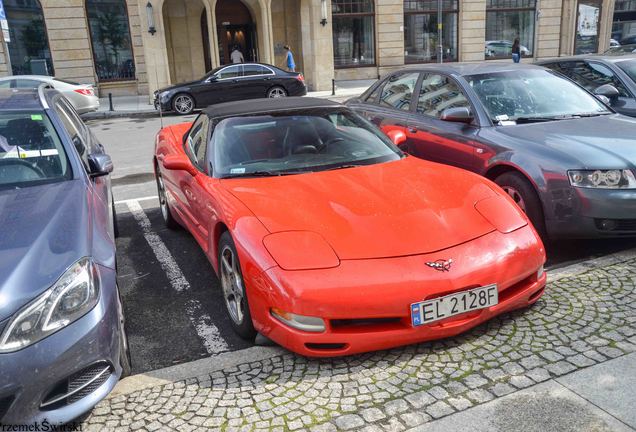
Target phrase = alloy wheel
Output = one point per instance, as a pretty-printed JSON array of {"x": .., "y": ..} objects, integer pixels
[
  {"x": 277, "y": 92},
  {"x": 516, "y": 196},
  {"x": 232, "y": 284},
  {"x": 183, "y": 104},
  {"x": 163, "y": 203}
]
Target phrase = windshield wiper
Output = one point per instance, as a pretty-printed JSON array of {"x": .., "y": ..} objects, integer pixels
[
  {"x": 264, "y": 174},
  {"x": 539, "y": 119},
  {"x": 344, "y": 167},
  {"x": 591, "y": 114}
]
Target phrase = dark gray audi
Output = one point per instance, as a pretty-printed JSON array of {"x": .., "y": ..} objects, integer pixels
[{"x": 565, "y": 157}]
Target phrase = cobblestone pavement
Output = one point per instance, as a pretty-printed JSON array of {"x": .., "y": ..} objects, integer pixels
[{"x": 581, "y": 320}]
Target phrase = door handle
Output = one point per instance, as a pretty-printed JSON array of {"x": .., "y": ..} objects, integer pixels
[{"x": 412, "y": 129}]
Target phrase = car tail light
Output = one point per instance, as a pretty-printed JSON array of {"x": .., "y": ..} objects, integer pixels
[
  {"x": 300, "y": 77},
  {"x": 84, "y": 91}
]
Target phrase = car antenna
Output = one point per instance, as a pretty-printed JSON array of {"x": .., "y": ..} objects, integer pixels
[{"x": 157, "y": 79}]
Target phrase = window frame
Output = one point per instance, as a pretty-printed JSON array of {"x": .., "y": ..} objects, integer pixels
[
  {"x": 431, "y": 12},
  {"x": 63, "y": 110},
  {"x": 415, "y": 101},
  {"x": 397, "y": 75},
  {"x": 240, "y": 68},
  {"x": 513, "y": 9},
  {"x": 335, "y": 15},
  {"x": 186, "y": 148},
  {"x": 92, "y": 45}
]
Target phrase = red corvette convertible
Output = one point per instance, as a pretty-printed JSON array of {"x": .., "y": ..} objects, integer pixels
[{"x": 329, "y": 240}]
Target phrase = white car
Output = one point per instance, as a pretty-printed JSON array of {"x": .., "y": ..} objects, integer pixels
[
  {"x": 502, "y": 48},
  {"x": 81, "y": 96}
]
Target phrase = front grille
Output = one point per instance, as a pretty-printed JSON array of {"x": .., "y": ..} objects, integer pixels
[
  {"x": 77, "y": 386},
  {"x": 363, "y": 322},
  {"x": 5, "y": 404},
  {"x": 325, "y": 346},
  {"x": 615, "y": 224}
]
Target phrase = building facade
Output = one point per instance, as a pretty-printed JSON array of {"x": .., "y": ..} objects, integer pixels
[{"x": 137, "y": 46}]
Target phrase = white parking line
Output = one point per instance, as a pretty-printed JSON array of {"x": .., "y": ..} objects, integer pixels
[
  {"x": 207, "y": 331},
  {"x": 146, "y": 198}
]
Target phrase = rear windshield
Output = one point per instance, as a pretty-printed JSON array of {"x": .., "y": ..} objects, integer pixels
[
  {"x": 30, "y": 150},
  {"x": 66, "y": 81},
  {"x": 629, "y": 67}
]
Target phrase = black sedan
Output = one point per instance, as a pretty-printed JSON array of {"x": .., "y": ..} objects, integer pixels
[
  {"x": 564, "y": 157},
  {"x": 231, "y": 83},
  {"x": 608, "y": 75}
]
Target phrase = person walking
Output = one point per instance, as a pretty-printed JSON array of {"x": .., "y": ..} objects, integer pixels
[
  {"x": 291, "y": 66},
  {"x": 236, "y": 55},
  {"x": 516, "y": 51}
]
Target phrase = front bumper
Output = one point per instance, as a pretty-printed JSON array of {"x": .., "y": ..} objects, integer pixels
[
  {"x": 591, "y": 213},
  {"x": 31, "y": 376},
  {"x": 366, "y": 303}
]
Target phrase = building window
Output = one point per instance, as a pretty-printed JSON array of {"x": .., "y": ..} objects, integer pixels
[
  {"x": 353, "y": 33},
  {"x": 29, "y": 46},
  {"x": 507, "y": 20},
  {"x": 587, "y": 26},
  {"x": 421, "y": 42},
  {"x": 624, "y": 26},
  {"x": 110, "y": 38}
]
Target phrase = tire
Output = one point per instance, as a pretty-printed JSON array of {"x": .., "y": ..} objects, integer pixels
[
  {"x": 524, "y": 194},
  {"x": 124, "y": 348},
  {"x": 183, "y": 104},
  {"x": 233, "y": 288},
  {"x": 166, "y": 214},
  {"x": 277, "y": 92}
]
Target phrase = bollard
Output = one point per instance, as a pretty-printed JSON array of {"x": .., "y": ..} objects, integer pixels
[
  {"x": 333, "y": 87},
  {"x": 110, "y": 102}
]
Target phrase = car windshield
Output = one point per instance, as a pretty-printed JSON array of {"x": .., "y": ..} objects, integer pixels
[
  {"x": 292, "y": 143},
  {"x": 517, "y": 96},
  {"x": 30, "y": 150},
  {"x": 629, "y": 67}
]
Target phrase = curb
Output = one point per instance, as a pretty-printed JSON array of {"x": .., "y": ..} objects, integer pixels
[{"x": 222, "y": 361}]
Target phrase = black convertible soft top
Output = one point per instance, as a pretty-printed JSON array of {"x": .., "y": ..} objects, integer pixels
[{"x": 265, "y": 106}]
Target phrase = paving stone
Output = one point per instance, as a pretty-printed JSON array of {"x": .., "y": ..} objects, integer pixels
[
  {"x": 420, "y": 399},
  {"x": 349, "y": 421},
  {"x": 372, "y": 414},
  {"x": 413, "y": 419},
  {"x": 439, "y": 409}
]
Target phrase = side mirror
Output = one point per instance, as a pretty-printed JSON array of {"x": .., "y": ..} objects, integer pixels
[
  {"x": 607, "y": 90},
  {"x": 458, "y": 115},
  {"x": 179, "y": 162},
  {"x": 396, "y": 136},
  {"x": 213, "y": 78},
  {"x": 100, "y": 165}
]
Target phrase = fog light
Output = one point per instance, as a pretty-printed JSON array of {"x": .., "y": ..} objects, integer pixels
[
  {"x": 300, "y": 322},
  {"x": 540, "y": 272},
  {"x": 607, "y": 224}
]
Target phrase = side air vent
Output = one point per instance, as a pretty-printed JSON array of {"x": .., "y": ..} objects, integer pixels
[{"x": 77, "y": 386}]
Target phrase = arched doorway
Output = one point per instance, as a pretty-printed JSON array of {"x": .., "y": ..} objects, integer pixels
[
  {"x": 235, "y": 27},
  {"x": 29, "y": 46},
  {"x": 185, "y": 23}
]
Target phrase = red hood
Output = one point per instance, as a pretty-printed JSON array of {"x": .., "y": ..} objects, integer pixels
[{"x": 399, "y": 208}]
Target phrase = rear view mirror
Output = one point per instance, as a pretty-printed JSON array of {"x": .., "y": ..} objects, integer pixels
[
  {"x": 100, "y": 165},
  {"x": 179, "y": 162},
  {"x": 458, "y": 115},
  {"x": 396, "y": 136},
  {"x": 607, "y": 90}
]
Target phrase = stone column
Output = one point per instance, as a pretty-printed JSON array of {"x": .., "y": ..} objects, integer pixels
[
  {"x": 156, "y": 55},
  {"x": 210, "y": 6},
  {"x": 317, "y": 43},
  {"x": 605, "y": 25},
  {"x": 69, "y": 40},
  {"x": 389, "y": 34},
  {"x": 548, "y": 28},
  {"x": 267, "y": 47},
  {"x": 472, "y": 30}
]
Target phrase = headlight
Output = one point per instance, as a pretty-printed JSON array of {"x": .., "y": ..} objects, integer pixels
[
  {"x": 603, "y": 179},
  {"x": 70, "y": 298}
]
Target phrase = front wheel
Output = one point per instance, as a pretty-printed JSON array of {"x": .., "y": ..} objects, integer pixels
[
  {"x": 277, "y": 92},
  {"x": 524, "y": 194},
  {"x": 166, "y": 214},
  {"x": 234, "y": 294},
  {"x": 183, "y": 104}
]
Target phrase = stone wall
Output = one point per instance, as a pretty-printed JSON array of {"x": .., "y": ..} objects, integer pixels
[{"x": 472, "y": 30}]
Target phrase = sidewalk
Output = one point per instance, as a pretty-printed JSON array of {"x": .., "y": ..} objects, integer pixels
[
  {"x": 140, "y": 106},
  {"x": 568, "y": 363}
]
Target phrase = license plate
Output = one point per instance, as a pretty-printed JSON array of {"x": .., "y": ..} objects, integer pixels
[{"x": 453, "y": 304}]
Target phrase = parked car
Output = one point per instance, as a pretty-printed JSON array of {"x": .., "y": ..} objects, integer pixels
[
  {"x": 231, "y": 83},
  {"x": 629, "y": 40},
  {"x": 62, "y": 341},
  {"x": 502, "y": 48},
  {"x": 312, "y": 219},
  {"x": 596, "y": 72},
  {"x": 81, "y": 96},
  {"x": 621, "y": 50},
  {"x": 560, "y": 153}
]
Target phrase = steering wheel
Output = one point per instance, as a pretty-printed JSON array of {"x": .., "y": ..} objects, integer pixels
[
  {"x": 330, "y": 142},
  {"x": 17, "y": 170}
]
